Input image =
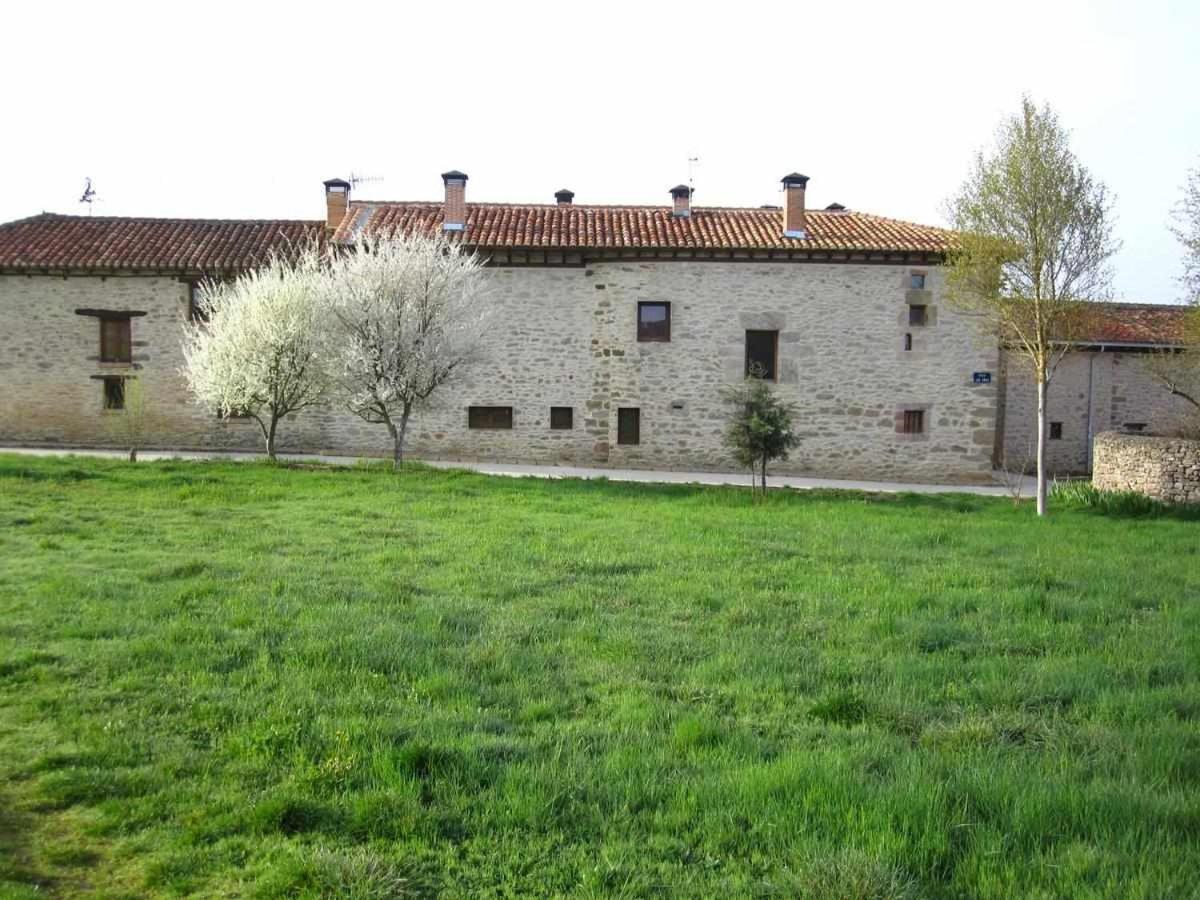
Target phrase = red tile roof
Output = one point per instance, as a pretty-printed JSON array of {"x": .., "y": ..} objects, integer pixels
[
  {"x": 522, "y": 226},
  {"x": 52, "y": 241},
  {"x": 1137, "y": 323}
]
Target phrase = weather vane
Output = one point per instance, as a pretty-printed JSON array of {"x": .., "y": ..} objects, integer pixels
[{"x": 89, "y": 194}]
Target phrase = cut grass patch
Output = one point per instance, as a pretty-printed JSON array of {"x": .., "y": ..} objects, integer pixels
[{"x": 238, "y": 679}]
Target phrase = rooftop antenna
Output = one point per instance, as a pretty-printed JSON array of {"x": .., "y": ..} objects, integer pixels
[
  {"x": 693, "y": 161},
  {"x": 89, "y": 194},
  {"x": 356, "y": 179}
]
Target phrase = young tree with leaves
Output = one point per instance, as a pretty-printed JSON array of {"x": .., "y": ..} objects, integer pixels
[
  {"x": 761, "y": 427},
  {"x": 128, "y": 425},
  {"x": 259, "y": 353},
  {"x": 408, "y": 315},
  {"x": 1034, "y": 243}
]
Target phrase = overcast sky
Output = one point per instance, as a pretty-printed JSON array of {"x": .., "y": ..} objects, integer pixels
[{"x": 241, "y": 110}]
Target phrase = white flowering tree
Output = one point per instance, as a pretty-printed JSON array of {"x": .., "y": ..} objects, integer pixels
[
  {"x": 408, "y": 314},
  {"x": 257, "y": 349}
]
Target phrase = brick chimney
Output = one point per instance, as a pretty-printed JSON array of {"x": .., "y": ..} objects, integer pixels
[
  {"x": 682, "y": 196},
  {"x": 337, "y": 201},
  {"x": 455, "y": 215},
  {"x": 794, "y": 221},
  {"x": 564, "y": 197}
]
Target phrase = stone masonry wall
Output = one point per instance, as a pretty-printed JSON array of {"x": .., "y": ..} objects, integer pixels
[
  {"x": 1111, "y": 386},
  {"x": 1166, "y": 469},
  {"x": 567, "y": 337}
]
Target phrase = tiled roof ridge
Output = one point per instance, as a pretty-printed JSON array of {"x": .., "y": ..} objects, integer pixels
[{"x": 164, "y": 220}]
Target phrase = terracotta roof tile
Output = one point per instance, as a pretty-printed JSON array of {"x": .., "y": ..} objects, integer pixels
[
  {"x": 514, "y": 226},
  {"x": 52, "y": 241},
  {"x": 1137, "y": 323}
]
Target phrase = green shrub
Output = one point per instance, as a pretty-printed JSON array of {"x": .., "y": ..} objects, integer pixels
[{"x": 1085, "y": 495}]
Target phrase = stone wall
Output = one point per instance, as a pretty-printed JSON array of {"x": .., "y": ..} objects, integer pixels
[
  {"x": 1166, "y": 469},
  {"x": 567, "y": 337},
  {"x": 1091, "y": 392}
]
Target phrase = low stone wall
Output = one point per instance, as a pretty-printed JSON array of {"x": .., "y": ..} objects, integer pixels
[{"x": 1166, "y": 469}]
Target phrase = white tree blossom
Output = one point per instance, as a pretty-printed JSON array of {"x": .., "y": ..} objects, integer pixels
[
  {"x": 260, "y": 352},
  {"x": 408, "y": 315}
]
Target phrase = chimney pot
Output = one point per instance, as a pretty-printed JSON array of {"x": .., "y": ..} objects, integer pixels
[
  {"x": 681, "y": 194},
  {"x": 337, "y": 201},
  {"x": 454, "y": 215},
  {"x": 795, "y": 221},
  {"x": 564, "y": 197}
]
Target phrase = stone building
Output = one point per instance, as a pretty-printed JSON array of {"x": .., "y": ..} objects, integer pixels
[
  {"x": 1100, "y": 385},
  {"x": 616, "y": 327}
]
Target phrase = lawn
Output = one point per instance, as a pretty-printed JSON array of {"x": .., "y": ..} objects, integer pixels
[{"x": 244, "y": 680}]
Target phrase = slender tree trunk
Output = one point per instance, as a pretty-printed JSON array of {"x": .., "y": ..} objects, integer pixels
[
  {"x": 270, "y": 435},
  {"x": 1041, "y": 441},
  {"x": 133, "y": 454},
  {"x": 764, "y": 476},
  {"x": 398, "y": 434}
]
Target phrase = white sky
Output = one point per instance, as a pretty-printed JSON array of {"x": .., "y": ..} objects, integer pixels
[{"x": 242, "y": 109}]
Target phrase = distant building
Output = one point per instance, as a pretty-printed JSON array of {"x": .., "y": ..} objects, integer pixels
[{"x": 617, "y": 327}]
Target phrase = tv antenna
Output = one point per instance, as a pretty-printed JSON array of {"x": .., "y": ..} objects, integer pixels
[
  {"x": 89, "y": 194},
  {"x": 357, "y": 178},
  {"x": 693, "y": 161}
]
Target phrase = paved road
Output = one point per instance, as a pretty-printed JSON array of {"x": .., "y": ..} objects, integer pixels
[{"x": 522, "y": 471}]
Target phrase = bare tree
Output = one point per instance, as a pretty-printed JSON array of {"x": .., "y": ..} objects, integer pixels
[
  {"x": 1186, "y": 226},
  {"x": 1035, "y": 238},
  {"x": 259, "y": 354},
  {"x": 409, "y": 313},
  {"x": 128, "y": 425},
  {"x": 1178, "y": 368}
]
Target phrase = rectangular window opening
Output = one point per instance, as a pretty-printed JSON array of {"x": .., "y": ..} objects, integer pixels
[
  {"x": 196, "y": 310},
  {"x": 916, "y": 281},
  {"x": 917, "y": 314},
  {"x": 489, "y": 417},
  {"x": 908, "y": 341},
  {"x": 654, "y": 322},
  {"x": 562, "y": 418},
  {"x": 114, "y": 393},
  {"x": 1056, "y": 431},
  {"x": 629, "y": 425},
  {"x": 762, "y": 355},
  {"x": 115, "y": 343},
  {"x": 914, "y": 422}
]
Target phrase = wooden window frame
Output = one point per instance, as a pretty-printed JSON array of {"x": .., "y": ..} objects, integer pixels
[
  {"x": 642, "y": 336},
  {"x": 557, "y": 416},
  {"x": 774, "y": 373},
  {"x": 480, "y": 418},
  {"x": 109, "y": 354},
  {"x": 625, "y": 414},
  {"x": 912, "y": 421},
  {"x": 107, "y": 384}
]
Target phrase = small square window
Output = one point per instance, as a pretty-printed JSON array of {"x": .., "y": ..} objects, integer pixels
[
  {"x": 1056, "y": 431},
  {"x": 629, "y": 425},
  {"x": 497, "y": 417},
  {"x": 916, "y": 281},
  {"x": 913, "y": 422},
  {"x": 115, "y": 343},
  {"x": 654, "y": 322},
  {"x": 562, "y": 418},
  {"x": 917, "y": 314},
  {"x": 908, "y": 341},
  {"x": 762, "y": 354},
  {"x": 1135, "y": 426},
  {"x": 114, "y": 393}
]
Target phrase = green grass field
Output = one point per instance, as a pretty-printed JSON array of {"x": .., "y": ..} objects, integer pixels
[{"x": 241, "y": 680}]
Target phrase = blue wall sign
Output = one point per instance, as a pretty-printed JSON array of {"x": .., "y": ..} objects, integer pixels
[{"x": 982, "y": 377}]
